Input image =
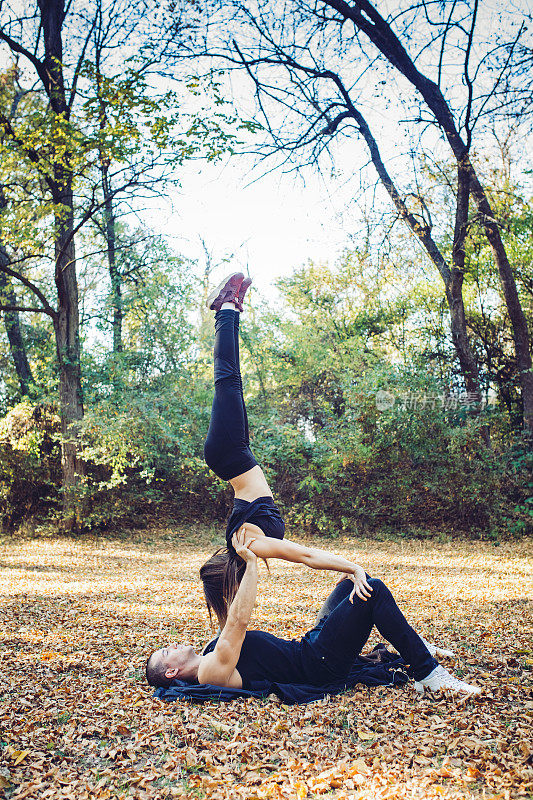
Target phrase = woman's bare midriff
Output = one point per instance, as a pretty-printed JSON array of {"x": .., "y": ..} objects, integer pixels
[{"x": 251, "y": 485}]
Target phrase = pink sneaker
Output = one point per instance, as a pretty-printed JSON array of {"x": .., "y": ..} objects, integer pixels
[
  {"x": 225, "y": 293},
  {"x": 247, "y": 282}
]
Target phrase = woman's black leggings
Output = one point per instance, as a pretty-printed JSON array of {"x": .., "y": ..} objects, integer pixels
[{"x": 227, "y": 446}]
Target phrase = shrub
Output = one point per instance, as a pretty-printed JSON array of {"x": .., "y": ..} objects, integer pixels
[
  {"x": 30, "y": 462},
  {"x": 411, "y": 465},
  {"x": 144, "y": 450},
  {"x": 406, "y": 468}
]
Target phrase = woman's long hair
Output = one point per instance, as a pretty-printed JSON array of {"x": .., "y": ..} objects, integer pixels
[{"x": 221, "y": 576}]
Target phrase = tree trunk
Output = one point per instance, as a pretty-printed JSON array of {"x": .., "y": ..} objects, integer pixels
[
  {"x": 66, "y": 325},
  {"x": 454, "y": 296},
  {"x": 454, "y": 286},
  {"x": 66, "y": 322},
  {"x": 14, "y": 334},
  {"x": 114, "y": 273},
  {"x": 60, "y": 181},
  {"x": 517, "y": 317},
  {"x": 454, "y": 290}
]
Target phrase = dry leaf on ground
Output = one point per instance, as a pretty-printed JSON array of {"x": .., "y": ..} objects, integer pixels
[{"x": 79, "y": 618}]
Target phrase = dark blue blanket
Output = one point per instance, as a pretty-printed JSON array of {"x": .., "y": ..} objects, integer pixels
[{"x": 379, "y": 668}]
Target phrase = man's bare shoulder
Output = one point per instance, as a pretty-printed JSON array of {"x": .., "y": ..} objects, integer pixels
[{"x": 212, "y": 670}]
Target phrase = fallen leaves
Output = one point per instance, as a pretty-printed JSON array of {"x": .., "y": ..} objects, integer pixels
[
  {"x": 80, "y": 617},
  {"x": 365, "y": 736},
  {"x": 17, "y": 756}
]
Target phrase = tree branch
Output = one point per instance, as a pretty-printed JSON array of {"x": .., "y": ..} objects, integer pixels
[
  {"x": 468, "y": 80},
  {"x": 443, "y": 43},
  {"x": 421, "y": 231},
  {"x": 78, "y": 67},
  {"x": 461, "y": 216},
  {"x": 18, "y": 48},
  {"x": 24, "y": 308},
  {"x": 47, "y": 308},
  {"x": 31, "y": 153},
  {"x": 91, "y": 211}
]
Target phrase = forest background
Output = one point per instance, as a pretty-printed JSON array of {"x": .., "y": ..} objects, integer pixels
[{"x": 389, "y": 388}]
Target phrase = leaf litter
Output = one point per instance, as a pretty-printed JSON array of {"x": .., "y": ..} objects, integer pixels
[{"x": 77, "y": 720}]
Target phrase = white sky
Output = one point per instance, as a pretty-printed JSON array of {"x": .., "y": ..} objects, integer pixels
[
  {"x": 279, "y": 222},
  {"x": 271, "y": 226}
]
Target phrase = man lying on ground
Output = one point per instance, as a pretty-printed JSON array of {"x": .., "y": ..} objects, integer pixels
[{"x": 323, "y": 656}]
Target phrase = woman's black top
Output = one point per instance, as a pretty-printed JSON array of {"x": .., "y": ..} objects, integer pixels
[{"x": 262, "y": 512}]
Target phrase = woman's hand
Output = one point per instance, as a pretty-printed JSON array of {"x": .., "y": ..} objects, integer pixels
[
  {"x": 361, "y": 586},
  {"x": 241, "y": 540}
]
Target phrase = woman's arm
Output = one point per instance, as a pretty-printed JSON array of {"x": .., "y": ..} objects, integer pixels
[{"x": 266, "y": 547}]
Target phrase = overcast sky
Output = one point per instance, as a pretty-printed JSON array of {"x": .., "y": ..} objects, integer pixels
[{"x": 272, "y": 225}]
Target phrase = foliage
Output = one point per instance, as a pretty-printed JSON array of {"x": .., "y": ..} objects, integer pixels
[
  {"x": 29, "y": 462},
  {"x": 520, "y": 467},
  {"x": 352, "y": 465},
  {"x": 488, "y": 321},
  {"x": 312, "y": 369},
  {"x": 158, "y": 293},
  {"x": 387, "y": 470},
  {"x": 314, "y": 372},
  {"x": 147, "y": 449}
]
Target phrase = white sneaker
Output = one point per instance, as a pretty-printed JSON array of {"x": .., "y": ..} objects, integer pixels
[
  {"x": 435, "y": 650},
  {"x": 440, "y": 679}
]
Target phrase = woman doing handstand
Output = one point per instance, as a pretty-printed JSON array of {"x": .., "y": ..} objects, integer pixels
[{"x": 227, "y": 452}]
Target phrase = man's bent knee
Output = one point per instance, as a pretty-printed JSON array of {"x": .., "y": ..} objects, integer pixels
[{"x": 378, "y": 587}]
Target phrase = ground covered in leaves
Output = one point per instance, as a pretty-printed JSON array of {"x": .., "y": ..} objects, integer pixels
[{"x": 79, "y": 618}]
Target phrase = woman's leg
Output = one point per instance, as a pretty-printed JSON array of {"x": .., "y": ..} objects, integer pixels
[
  {"x": 238, "y": 361},
  {"x": 226, "y": 450}
]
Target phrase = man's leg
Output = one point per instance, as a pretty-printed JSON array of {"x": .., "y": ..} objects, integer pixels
[
  {"x": 343, "y": 634},
  {"x": 343, "y": 590},
  {"x": 340, "y": 591}
]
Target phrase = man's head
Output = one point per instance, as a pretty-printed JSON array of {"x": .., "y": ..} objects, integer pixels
[{"x": 170, "y": 662}]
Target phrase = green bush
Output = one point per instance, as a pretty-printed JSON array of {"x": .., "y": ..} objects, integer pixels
[
  {"x": 404, "y": 469},
  {"x": 144, "y": 451},
  {"x": 518, "y": 515},
  {"x": 30, "y": 462},
  {"x": 413, "y": 465}
]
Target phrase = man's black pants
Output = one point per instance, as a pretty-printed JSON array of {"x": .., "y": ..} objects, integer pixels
[{"x": 330, "y": 647}]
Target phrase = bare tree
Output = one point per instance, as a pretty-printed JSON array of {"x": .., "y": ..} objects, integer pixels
[
  {"x": 369, "y": 21},
  {"x": 319, "y": 69}
]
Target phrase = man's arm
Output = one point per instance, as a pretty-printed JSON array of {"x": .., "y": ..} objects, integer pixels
[{"x": 218, "y": 667}]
